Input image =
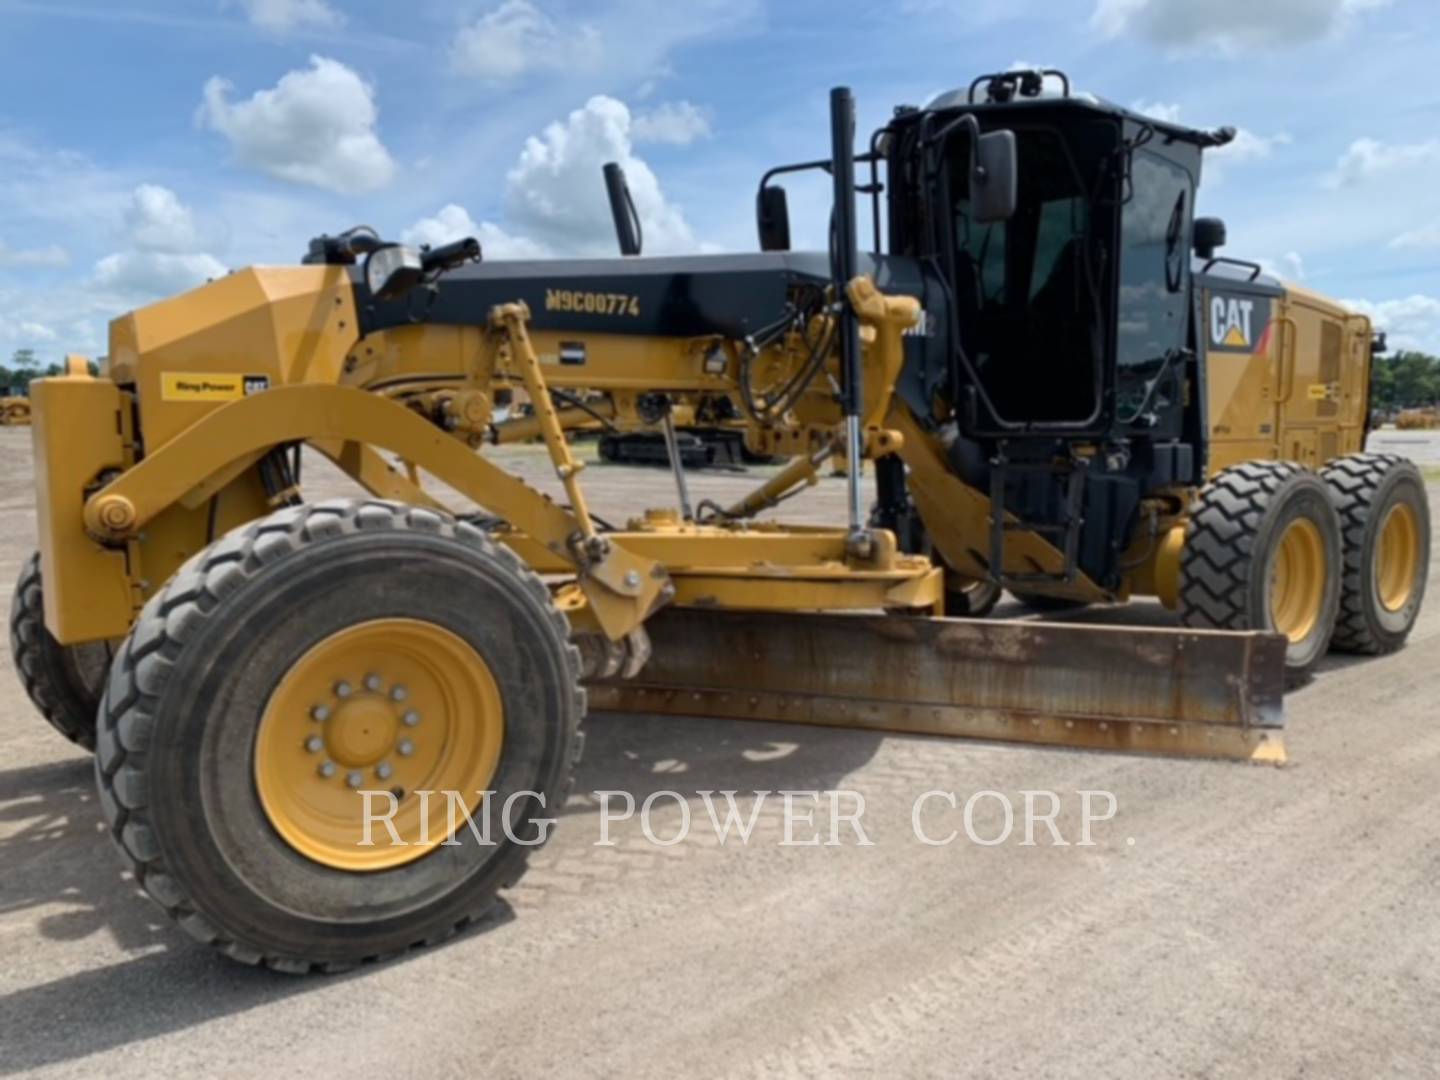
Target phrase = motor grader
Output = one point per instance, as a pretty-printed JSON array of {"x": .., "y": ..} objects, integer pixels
[
  {"x": 14, "y": 410},
  {"x": 1064, "y": 390}
]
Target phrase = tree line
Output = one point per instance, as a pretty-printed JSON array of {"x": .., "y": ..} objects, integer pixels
[
  {"x": 1402, "y": 380},
  {"x": 24, "y": 366}
]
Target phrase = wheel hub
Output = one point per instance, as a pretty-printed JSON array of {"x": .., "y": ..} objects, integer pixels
[
  {"x": 1297, "y": 581},
  {"x": 398, "y": 706},
  {"x": 1397, "y": 557},
  {"x": 362, "y": 731}
]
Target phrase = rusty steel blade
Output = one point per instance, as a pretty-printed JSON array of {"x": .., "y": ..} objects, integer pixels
[{"x": 1168, "y": 691}]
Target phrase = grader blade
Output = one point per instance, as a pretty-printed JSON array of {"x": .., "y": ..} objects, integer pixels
[{"x": 1163, "y": 691}]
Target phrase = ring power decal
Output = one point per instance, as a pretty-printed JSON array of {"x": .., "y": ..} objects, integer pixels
[{"x": 202, "y": 386}]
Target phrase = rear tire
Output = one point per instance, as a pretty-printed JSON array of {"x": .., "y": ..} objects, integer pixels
[
  {"x": 1263, "y": 552},
  {"x": 1385, "y": 522},
  {"x": 184, "y": 756},
  {"x": 63, "y": 681}
]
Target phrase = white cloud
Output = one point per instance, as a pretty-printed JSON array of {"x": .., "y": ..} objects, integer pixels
[
  {"x": 1248, "y": 146},
  {"x": 1245, "y": 147},
  {"x": 555, "y": 193},
  {"x": 608, "y": 43},
  {"x": 676, "y": 122},
  {"x": 316, "y": 126},
  {"x": 1368, "y": 158},
  {"x": 1158, "y": 110},
  {"x": 24, "y": 334},
  {"x": 281, "y": 16},
  {"x": 162, "y": 255},
  {"x": 1426, "y": 236},
  {"x": 1290, "y": 266},
  {"x": 48, "y": 257},
  {"x": 1228, "y": 24},
  {"x": 1412, "y": 322},
  {"x": 158, "y": 221},
  {"x": 555, "y": 201},
  {"x": 151, "y": 275},
  {"x": 517, "y": 37},
  {"x": 453, "y": 222}
]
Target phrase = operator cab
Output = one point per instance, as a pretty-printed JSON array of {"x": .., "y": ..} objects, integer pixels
[
  {"x": 1058, "y": 359},
  {"x": 1073, "y": 315}
]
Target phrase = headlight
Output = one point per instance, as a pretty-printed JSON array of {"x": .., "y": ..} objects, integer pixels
[{"x": 392, "y": 271}]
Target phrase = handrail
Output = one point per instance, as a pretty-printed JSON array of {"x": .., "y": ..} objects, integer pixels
[{"x": 1285, "y": 374}]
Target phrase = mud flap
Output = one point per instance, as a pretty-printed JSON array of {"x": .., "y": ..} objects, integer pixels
[{"x": 1197, "y": 693}]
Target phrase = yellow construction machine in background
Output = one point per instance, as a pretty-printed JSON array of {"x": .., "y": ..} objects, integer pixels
[{"x": 15, "y": 411}]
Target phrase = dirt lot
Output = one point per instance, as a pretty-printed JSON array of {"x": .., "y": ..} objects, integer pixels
[{"x": 1230, "y": 921}]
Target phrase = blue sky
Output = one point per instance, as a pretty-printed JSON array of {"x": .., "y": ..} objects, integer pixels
[{"x": 146, "y": 146}]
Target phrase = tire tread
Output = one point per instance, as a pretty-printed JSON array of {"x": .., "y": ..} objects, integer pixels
[
  {"x": 1353, "y": 481},
  {"x": 36, "y": 654},
  {"x": 177, "y": 612}
]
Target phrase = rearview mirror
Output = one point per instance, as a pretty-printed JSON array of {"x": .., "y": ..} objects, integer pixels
[
  {"x": 772, "y": 219},
  {"x": 993, "y": 182}
]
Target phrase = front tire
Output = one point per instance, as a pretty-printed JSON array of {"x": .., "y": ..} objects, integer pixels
[
  {"x": 1263, "y": 552},
  {"x": 301, "y": 660},
  {"x": 1385, "y": 521},
  {"x": 64, "y": 682}
]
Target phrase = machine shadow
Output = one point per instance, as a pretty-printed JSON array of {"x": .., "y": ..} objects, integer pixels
[
  {"x": 61, "y": 857},
  {"x": 642, "y": 754},
  {"x": 59, "y": 854}
]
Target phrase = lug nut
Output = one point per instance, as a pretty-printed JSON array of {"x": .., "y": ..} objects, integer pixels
[
  {"x": 406, "y": 748},
  {"x": 342, "y": 689},
  {"x": 354, "y": 779},
  {"x": 327, "y": 769},
  {"x": 320, "y": 713},
  {"x": 383, "y": 770},
  {"x": 314, "y": 744},
  {"x": 411, "y": 719},
  {"x": 372, "y": 682},
  {"x": 399, "y": 693}
]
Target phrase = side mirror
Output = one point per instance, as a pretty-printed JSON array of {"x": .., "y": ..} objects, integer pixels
[
  {"x": 772, "y": 219},
  {"x": 1209, "y": 236},
  {"x": 993, "y": 180}
]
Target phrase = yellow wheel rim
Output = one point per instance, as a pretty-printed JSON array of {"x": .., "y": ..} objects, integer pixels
[
  {"x": 392, "y": 705},
  {"x": 1397, "y": 557},
  {"x": 1297, "y": 581}
]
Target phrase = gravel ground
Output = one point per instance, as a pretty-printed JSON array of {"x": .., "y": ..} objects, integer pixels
[{"x": 1229, "y": 921}]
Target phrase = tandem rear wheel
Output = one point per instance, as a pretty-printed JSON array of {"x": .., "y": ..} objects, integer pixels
[
  {"x": 325, "y": 651},
  {"x": 1385, "y": 522},
  {"x": 1263, "y": 551},
  {"x": 1338, "y": 559}
]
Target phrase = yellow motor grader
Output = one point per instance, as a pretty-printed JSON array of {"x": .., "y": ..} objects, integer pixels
[
  {"x": 14, "y": 410},
  {"x": 1063, "y": 389}
]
